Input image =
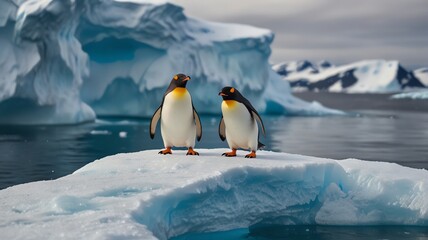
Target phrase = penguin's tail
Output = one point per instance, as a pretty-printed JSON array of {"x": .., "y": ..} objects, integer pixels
[{"x": 261, "y": 146}]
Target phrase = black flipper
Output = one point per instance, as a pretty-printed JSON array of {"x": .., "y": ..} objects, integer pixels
[
  {"x": 253, "y": 112},
  {"x": 154, "y": 121},
  {"x": 259, "y": 119},
  {"x": 198, "y": 124},
  {"x": 222, "y": 129}
]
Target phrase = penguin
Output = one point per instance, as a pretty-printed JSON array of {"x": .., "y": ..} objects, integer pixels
[
  {"x": 238, "y": 124},
  {"x": 180, "y": 123}
]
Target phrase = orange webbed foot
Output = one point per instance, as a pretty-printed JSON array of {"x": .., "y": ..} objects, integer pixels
[
  {"x": 192, "y": 152},
  {"x": 230, "y": 154},
  {"x": 166, "y": 151},
  {"x": 251, "y": 155}
]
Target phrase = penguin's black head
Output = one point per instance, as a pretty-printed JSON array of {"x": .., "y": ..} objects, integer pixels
[
  {"x": 229, "y": 93},
  {"x": 180, "y": 80}
]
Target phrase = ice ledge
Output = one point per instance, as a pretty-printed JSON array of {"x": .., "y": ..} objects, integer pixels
[{"x": 145, "y": 195}]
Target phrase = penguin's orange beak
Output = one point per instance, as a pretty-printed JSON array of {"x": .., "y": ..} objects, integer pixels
[
  {"x": 187, "y": 78},
  {"x": 221, "y": 94}
]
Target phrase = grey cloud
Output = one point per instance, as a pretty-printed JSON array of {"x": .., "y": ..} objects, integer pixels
[{"x": 342, "y": 31}]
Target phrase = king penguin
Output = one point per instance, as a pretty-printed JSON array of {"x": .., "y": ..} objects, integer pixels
[
  {"x": 238, "y": 124},
  {"x": 180, "y": 123}
]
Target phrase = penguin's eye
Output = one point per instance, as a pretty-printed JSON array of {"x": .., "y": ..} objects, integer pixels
[
  {"x": 232, "y": 90},
  {"x": 175, "y": 77}
]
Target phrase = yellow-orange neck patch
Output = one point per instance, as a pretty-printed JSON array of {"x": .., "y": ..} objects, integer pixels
[
  {"x": 230, "y": 103},
  {"x": 179, "y": 92}
]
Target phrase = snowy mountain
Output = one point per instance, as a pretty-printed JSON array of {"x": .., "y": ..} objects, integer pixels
[
  {"x": 303, "y": 67},
  {"x": 371, "y": 76},
  {"x": 66, "y": 61},
  {"x": 422, "y": 75},
  {"x": 147, "y": 196}
]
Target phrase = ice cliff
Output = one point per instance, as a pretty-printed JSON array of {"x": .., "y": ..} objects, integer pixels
[
  {"x": 66, "y": 61},
  {"x": 145, "y": 195},
  {"x": 368, "y": 76},
  {"x": 42, "y": 65}
]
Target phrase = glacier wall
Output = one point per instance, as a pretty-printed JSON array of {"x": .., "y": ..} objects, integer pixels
[{"x": 66, "y": 61}]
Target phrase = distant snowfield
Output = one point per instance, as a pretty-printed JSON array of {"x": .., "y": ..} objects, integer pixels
[{"x": 144, "y": 195}]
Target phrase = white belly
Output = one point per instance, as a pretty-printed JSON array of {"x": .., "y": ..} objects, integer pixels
[
  {"x": 241, "y": 129},
  {"x": 178, "y": 127}
]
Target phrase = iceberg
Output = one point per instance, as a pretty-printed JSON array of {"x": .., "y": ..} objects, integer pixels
[
  {"x": 144, "y": 195},
  {"x": 67, "y": 61},
  {"x": 368, "y": 76},
  {"x": 42, "y": 65}
]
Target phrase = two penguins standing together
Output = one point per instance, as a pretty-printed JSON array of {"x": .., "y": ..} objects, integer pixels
[{"x": 180, "y": 123}]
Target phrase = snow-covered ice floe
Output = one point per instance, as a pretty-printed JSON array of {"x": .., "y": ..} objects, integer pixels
[
  {"x": 144, "y": 195},
  {"x": 67, "y": 61},
  {"x": 411, "y": 95}
]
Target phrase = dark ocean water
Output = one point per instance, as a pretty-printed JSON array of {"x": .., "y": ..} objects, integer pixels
[
  {"x": 316, "y": 233},
  {"x": 33, "y": 153}
]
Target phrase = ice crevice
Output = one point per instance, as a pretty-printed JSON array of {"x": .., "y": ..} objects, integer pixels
[{"x": 238, "y": 198}]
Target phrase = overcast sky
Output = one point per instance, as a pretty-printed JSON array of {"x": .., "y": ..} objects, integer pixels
[{"x": 340, "y": 31}]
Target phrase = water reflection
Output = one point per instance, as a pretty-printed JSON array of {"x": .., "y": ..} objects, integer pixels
[{"x": 400, "y": 137}]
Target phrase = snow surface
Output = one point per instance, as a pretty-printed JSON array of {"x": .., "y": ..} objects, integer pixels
[
  {"x": 66, "y": 61},
  {"x": 368, "y": 76},
  {"x": 144, "y": 195}
]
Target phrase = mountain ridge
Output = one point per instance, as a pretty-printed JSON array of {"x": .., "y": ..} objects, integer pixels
[{"x": 372, "y": 76}]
